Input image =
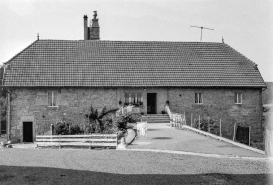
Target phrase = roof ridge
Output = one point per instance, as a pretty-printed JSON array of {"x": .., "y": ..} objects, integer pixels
[
  {"x": 130, "y": 41},
  {"x": 20, "y": 52}
]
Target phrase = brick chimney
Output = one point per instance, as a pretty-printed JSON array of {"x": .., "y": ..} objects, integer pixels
[
  {"x": 85, "y": 28},
  {"x": 92, "y": 32}
]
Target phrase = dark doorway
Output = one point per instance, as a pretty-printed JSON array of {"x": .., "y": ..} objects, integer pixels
[
  {"x": 151, "y": 103},
  {"x": 27, "y": 132}
]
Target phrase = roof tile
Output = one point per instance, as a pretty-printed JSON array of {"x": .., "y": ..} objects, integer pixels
[{"x": 131, "y": 63}]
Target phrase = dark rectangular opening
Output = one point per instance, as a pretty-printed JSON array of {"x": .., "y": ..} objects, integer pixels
[
  {"x": 151, "y": 103},
  {"x": 27, "y": 132}
]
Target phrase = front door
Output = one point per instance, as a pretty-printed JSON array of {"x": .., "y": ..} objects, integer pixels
[
  {"x": 151, "y": 103},
  {"x": 27, "y": 132}
]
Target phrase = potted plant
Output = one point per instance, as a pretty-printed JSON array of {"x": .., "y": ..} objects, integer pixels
[
  {"x": 119, "y": 102},
  {"x": 163, "y": 112}
]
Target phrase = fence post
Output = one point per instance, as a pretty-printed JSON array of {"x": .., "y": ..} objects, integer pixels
[
  {"x": 249, "y": 134},
  {"x": 220, "y": 129},
  {"x": 191, "y": 119},
  {"x": 117, "y": 139},
  {"x": 59, "y": 141},
  {"x": 199, "y": 122},
  {"x": 185, "y": 118},
  {"x": 88, "y": 139},
  {"x": 234, "y": 131},
  {"x": 209, "y": 125}
]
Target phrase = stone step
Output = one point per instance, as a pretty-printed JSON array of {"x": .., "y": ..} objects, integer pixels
[
  {"x": 156, "y": 121},
  {"x": 156, "y": 118}
]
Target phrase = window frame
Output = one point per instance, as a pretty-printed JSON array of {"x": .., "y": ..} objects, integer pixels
[
  {"x": 199, "y": 97},
  {"x": 237, "y": 98},
  {"x": 52, "y": 98},
  {"x": 133, "y": 97}
]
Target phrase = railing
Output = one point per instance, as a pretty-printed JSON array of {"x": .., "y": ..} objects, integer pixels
[
  {"x": 167, "y": 109},
  {"x": 105, "y": 140},
  {"x": 176, "y": 120}
]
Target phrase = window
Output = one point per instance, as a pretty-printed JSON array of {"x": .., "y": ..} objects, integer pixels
[
  {"x": 238, "y": 98},
  {"x": 133, "y": 98},
  {"x": 52, "y": 98},
  {"x": 198, "y": 98}
]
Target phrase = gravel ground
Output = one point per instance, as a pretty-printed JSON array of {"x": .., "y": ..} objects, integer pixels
[{"x": 82, "y": 166}]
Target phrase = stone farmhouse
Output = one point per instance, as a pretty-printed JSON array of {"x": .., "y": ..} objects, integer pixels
[{"x": 52, "y": 79}]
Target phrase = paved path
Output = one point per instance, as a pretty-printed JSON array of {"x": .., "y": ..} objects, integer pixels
[{"x": 160, "y": 136}]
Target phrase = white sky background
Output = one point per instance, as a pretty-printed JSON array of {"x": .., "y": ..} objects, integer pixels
[{"x": 246, "y": 25}]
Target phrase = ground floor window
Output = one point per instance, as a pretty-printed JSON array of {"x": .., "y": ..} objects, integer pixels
[
  {"x": 238, "y": 98},
  {"x": 198, "y": 98},
  {"x": 133, "y": 98},
  {"x": 52, "y": 98}
]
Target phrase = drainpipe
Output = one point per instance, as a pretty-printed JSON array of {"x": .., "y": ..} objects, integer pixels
[
  {"x": 8, "y": 117},
  {"x": 0, "y": 119},
  {"x": 261, "y": 112}
]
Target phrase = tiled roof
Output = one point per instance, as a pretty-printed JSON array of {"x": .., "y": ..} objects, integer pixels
[{"x": 131, "y": 63}]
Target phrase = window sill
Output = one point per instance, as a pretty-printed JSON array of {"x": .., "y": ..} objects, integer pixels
[{"x": 53, "y": 106}]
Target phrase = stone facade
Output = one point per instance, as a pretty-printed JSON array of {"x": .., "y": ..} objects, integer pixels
[
  {"x": 220, "y": 104},
  {"x": 31, "y": 104},
  {"x": 72, "y": 104}
]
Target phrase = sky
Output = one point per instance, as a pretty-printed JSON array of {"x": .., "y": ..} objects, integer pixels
[{"x": 245, "y": 25}]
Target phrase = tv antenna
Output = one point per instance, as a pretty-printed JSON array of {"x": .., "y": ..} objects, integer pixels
[{"x": 202, "y": 30}]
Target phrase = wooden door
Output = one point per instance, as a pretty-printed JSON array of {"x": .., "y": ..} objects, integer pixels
[
  {"x": 151, "y": 103},
  {"x": 27, "y": 132}
]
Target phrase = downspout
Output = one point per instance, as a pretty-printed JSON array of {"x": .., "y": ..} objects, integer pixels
[
  {"x": 8, "y": 125},
  {"x": 261, "y": 112},
  {"x": 8, "y": 117}
]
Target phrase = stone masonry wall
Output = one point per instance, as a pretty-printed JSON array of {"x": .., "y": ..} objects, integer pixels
[
  {"x": 220, "y": 104},
  {"x": 32, "y": 105}
]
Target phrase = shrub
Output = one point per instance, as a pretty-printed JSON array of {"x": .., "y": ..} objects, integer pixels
[
  {"x": 75, "y": 129},
  {"x": 61, "y": 128},
  {"x": 64, "y": 128},
  {"x": 205, "y": 123},
  {"x": 98, "y": 121}
]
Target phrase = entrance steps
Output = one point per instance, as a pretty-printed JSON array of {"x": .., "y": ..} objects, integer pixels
[{"x": 156, "y": 118}]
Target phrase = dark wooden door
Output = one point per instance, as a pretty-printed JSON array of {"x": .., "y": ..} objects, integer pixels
[
  {"x": 27, "y": 132},
  {"x": 151, "y": 103}
]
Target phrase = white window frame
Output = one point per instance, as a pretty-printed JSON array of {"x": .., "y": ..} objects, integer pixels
[
  {"x": 133, "y": 97},
  {"x": 198, "y": 98},
  {"x": 52, "y": 98},
  {"x": 238, "y": 96}
]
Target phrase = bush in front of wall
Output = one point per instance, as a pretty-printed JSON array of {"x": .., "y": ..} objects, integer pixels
[
  {"x": 75, "y": 129},
  {"x": 98, "y": 120},
  {"x": 205, "y": 123},
  {"x": 65, "y": 128},
  {"x": 61, "y": 128}
]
